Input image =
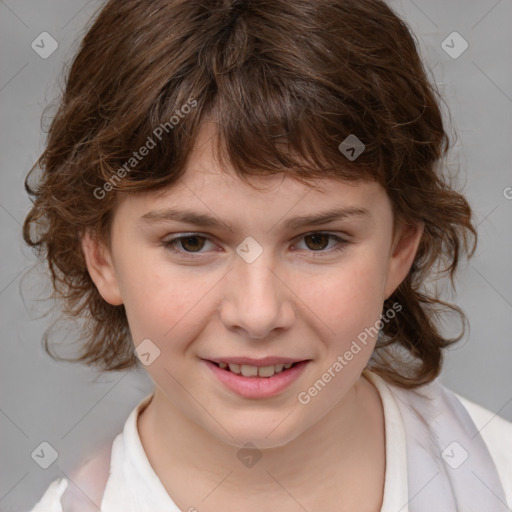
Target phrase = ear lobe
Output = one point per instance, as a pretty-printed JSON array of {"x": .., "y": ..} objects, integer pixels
[
  {"x": 101, "y": 269},
  {"x": 402, "y": 257}
]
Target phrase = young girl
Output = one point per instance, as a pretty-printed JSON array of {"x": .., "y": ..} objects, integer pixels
[{"x": 246, "y": 199}]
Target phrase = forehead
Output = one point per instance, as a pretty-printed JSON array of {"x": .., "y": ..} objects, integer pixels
[
  {"x": 214, "y": 199},
  {"x": 214, "y": 188},
  {"x": 204, "y": 179},
  {"x": 205, "y": 173}
]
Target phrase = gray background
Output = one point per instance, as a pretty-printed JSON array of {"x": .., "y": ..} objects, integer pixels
[{"x": 74, "y": 409}]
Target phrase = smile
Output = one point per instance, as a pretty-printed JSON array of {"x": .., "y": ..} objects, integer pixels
[
  {"x": 254, "y": 371},
  {"x": 256, "y": 381}
]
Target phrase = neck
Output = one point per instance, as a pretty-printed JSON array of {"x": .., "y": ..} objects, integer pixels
[{"x": 341, "y": 449}]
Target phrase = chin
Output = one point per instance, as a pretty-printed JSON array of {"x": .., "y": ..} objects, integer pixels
[{"x": 265, "y": 437}]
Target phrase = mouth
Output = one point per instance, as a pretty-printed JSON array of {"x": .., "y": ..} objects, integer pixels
[
  {"x": 257, "y": 382},
  {"x": 247, "y": 370}
]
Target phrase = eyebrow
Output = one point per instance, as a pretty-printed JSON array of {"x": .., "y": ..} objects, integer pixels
[{"x": 202, "y": 219}]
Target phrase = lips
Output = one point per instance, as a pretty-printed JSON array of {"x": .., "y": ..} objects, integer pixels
[
  {"x": 248, "y": 367},
  {"x": 255, "y": 371},
  {"x": 265, "y": 361},
  {"x": 257, "y": 386}
]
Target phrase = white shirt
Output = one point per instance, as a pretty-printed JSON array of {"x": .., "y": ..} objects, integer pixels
[{"x": 133, "y": 485}]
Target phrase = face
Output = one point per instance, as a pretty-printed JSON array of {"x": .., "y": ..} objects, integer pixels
[{"x": 257, "y": 281}]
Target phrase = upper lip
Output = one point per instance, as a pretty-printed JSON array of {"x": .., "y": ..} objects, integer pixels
[{"x": 265, "y": 361}]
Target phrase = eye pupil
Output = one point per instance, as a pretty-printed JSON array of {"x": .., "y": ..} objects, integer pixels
[
  {"x": 315, "y": 237},
  {"x": 187, "y": 239}
]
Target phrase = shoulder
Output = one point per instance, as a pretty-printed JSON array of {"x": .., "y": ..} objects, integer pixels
[
  {"x": 489, "y": 424},
  {"x": 426, "y": 403},
  {"x": 85, "y": 486},
  {"x": 82, "y": 490},
  {"x": 51, "y": 499},
  {"x": 497, "y": 435}
]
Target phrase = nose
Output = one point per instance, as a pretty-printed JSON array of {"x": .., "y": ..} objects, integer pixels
[{"x": 257, "y": 299}]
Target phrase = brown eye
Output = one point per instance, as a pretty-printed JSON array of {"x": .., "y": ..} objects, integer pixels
[
  {"x": 187, "y": 244},
  {"x": 319, "y": 241},
  {"x": 192, "y": 243}
]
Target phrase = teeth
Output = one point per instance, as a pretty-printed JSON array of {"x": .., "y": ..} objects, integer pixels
[
  {"x": 248, "y": 371},
  {"x": 255, "y": 371},
  {"x": 235, "y": 368},
  {"x": 266, "y": 371}
]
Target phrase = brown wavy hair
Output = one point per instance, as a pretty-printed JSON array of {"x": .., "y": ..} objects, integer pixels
[{"x": 287, "y": 82}]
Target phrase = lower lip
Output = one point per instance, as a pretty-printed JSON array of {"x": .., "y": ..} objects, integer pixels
[{"x": 258, "y": 387}]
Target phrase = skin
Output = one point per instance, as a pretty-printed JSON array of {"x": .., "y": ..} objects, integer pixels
[{"x": 298, "y": 299}]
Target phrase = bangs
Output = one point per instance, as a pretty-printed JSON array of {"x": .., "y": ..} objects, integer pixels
[
  {"x": 269, "y": 127},
  {"x": 276, "y": 109}
]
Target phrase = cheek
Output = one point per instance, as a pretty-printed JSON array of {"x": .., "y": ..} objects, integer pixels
[
  {"x": 162, "y": 301},
  {"x": 348, "y": 299}
]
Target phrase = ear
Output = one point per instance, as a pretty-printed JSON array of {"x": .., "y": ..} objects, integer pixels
[
  {"x": 101, "y": 269},
  {"x": 402, "y": 255}
]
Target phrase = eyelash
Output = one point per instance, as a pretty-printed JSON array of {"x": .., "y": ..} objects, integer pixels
[{"x": 172, "y": 243}]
